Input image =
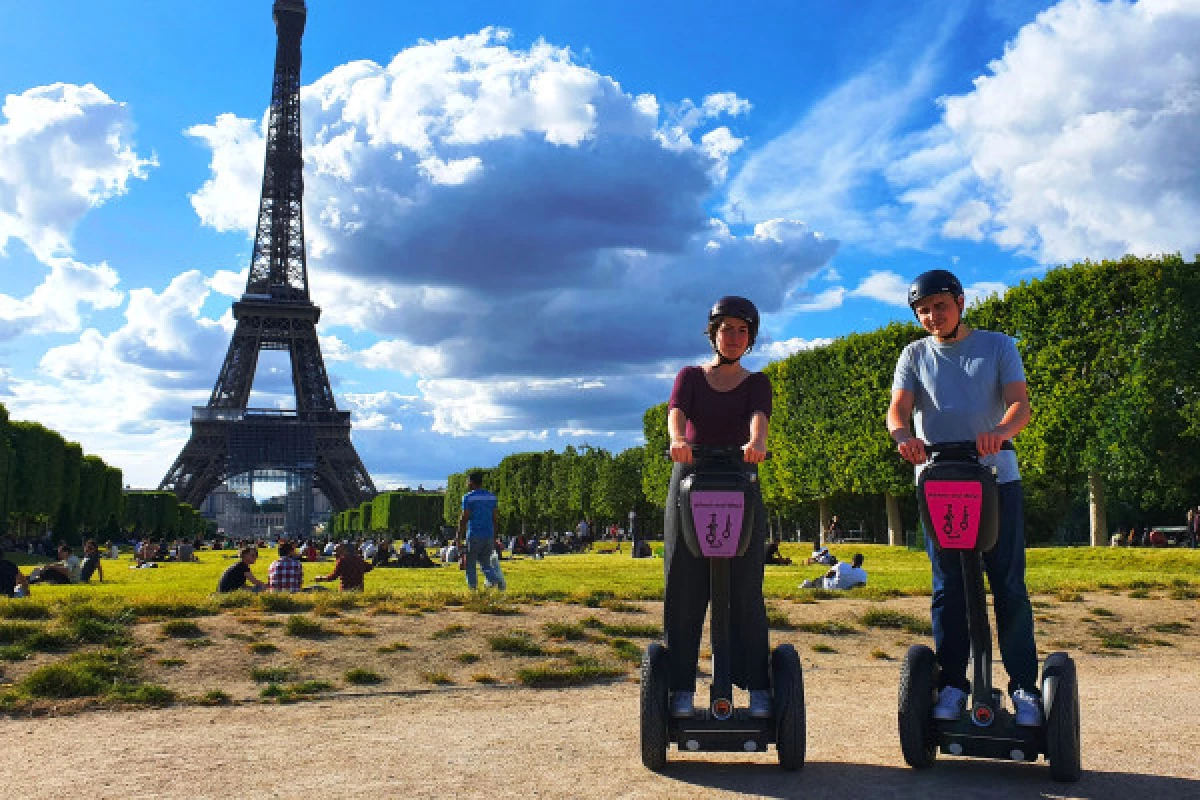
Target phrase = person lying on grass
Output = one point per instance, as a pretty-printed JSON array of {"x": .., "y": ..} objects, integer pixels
[{"x": 350, "y": 568}]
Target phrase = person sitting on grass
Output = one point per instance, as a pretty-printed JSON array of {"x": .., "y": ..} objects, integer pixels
[
  {"x": 773, "y": 555},
  {"x": 237, "y": 575},
  {"x": 65, "y": 570},
  {"x": 286, "y": 573},
  {"x": 91, "y": 562},
  {"x": 350, "y": 568},
  {"x": 841, "y": 576},
  {"x": 11, "y": 579}
]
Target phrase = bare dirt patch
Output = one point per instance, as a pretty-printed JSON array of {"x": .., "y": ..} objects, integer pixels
[{"x": 407, "y": 737}]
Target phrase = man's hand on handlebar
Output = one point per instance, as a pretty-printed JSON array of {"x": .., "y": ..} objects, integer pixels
[
  {"x": 989, "y": 443},
  {"x": 681, "y": 452},
  {"x": 754, "y": 452},
  {"x": 912, "y": 450}
]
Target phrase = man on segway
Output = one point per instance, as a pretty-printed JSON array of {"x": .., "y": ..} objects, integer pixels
[{"x": 960, "y": 384}]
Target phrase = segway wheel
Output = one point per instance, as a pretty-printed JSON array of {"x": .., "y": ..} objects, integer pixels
[
  {"x": 1060, "y": 697},
  {"x": 787, "y": 677},
  {"x": 918, "y": 678},
  {"x": 654, "y": 707}
]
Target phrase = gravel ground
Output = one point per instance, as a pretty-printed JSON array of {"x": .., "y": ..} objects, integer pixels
[{"x": 1139, "y": 740}]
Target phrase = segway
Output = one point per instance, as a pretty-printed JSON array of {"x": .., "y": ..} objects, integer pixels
[
  {"x": 958, "y": 502},
  {"x": 717, "y": 522}
]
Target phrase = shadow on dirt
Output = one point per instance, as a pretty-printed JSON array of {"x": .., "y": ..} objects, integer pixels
[{"x": 976, "y": 779}]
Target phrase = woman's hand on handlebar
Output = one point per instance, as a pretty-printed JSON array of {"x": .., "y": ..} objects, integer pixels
[
  {"x": 754, "y": 452},
  {"x": 912, "y": 450},
  {"x": 681, "y": 452}
]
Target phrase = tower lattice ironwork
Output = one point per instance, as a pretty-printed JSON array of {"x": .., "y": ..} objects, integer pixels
[{"x": 312, "y": 442}]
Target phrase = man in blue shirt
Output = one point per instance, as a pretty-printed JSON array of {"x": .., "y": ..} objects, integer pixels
[
  {"x": 479, "y": 520},
  {"x": 959, "y": 384}
]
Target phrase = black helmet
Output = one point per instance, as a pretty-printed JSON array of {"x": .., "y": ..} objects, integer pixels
[
  {"x": 738, "y": 308},
  {"x": 935, "y": 281}
]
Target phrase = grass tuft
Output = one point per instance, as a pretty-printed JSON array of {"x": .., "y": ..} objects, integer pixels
[
  {"x": 182, "y": 629},
  {"x": 363, "y": 677},
  {"x": 515, "y": 643},
  {"x": 550, "y": 677},
  {"x": 305, "y": 627},
  {"x": 895, "y": 620},
  {"x": 270, "y": 674},
  {"x": 828, "y": 628}
]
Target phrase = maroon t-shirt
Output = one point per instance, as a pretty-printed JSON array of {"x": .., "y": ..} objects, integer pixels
[{"x": 720, "y": 419}]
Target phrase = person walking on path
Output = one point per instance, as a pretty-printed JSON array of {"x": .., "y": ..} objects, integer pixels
[
  {"x": 479, "y": 520},
  {"x": 960, "y": 384}
]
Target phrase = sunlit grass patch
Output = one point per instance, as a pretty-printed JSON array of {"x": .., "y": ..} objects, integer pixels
[
  {"x": 484, "y": 678},
  {"x": 566, "y": 631},
  {"x": 627, "y": 650},
  {"x": 305, "y": 627},
  {"x": 181, "y": 629},
  {"x": 467, "y": 658},
  {"x": 778, "y": 619},
  {"x": 881, "y": 655},
  {"x": 450, "y": 631},
  {"x": 1069, "y": 596},
  {"x": 271, "y": 674},
  {"x": 821, "y": 647},
  {"x": 172, "y": 662},
  {"x": 24, "y": 609},
  {"x": 282, "y": 602},
  {"x": 897, "y": 620},
  {"x": 262, "y": 648},
  {"x": 624, "y": 629},
  {"x": 394, "y": 647},
  {"x": 582, "y": 672},
  {"x": 828, "y": 628},
  {"x": 437, "y": 678},
  {"x": 363, "y": 677},
  {"x": 515, "y": 643},
  {"x": 1171, "y": 627}
]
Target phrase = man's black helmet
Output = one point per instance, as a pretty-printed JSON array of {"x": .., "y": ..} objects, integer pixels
[
  {"x": 935, "y": 281},
  {"x": 738, "y": 308}
]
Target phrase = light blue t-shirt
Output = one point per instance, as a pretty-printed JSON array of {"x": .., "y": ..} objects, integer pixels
[
  {"x": 958, "y": 390},
  {"x": 481, "y": 503}
]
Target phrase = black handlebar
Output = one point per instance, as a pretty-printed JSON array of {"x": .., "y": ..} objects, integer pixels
[
  {"x": 965, "y": 449},
  {"x": 712, "y": 452}
]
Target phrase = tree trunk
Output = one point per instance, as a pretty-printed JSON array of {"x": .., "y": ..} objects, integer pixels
[
  {"x": 895, "y": 524},
  {"x": 1099, "y": 519},
  {"x": 823, "y": 515}
]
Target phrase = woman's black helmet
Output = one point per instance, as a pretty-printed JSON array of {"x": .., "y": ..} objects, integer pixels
[
  {"x": 935, "y": 281},
  {"x": 738, "y": 308}
]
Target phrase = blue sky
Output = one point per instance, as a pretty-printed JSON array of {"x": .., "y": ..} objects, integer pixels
[{"x": 518, "y": 212}]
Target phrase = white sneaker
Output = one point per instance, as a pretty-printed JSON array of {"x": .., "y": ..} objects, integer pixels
[
  {"x": 1029, "y": 709},
  {"x": 951, "y": 703},
  {"x": 760, "y": 703},
  {"x": 683, "y": 704}
]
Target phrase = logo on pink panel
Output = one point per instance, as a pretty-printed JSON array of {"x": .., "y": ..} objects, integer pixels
[
  {"x": 954, "y": 509},
  {"x": 717, "y": 517}
]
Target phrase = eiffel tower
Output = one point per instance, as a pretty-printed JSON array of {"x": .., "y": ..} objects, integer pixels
[{"x": 310, "y": 444}]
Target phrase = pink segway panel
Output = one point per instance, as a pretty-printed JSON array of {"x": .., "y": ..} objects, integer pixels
[
  {"x": 717, "y": 517},
  {"x": 954, "y": 508}
]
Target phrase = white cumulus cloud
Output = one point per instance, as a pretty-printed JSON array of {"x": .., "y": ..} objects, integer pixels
[{"x": 64, "y": 149}]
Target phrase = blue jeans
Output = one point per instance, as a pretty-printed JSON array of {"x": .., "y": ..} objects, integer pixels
[
  {"x": 1005, "y": 568},
  {"x": 480, "y": 551}
]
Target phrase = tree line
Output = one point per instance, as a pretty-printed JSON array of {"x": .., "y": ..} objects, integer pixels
[
  {"x": 1112, "y": 360},
  {"x": 549, "y": 491},
  {"x": 396, "y": 513},
  {"x": 48, "y": 484}
]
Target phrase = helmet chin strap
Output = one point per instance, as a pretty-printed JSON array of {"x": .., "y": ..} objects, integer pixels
[{"x": 950, "y": 337}]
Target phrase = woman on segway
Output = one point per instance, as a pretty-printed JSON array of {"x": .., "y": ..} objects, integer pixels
[{"x": 720, "y": 404}]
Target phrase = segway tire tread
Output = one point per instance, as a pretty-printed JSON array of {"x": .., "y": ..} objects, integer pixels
[
  {"x": 915, "y": 708},
  {"x": 1060, "y": 695},
  {"x": 787, "y": 674},
  {"x": 654, "y": 698}
]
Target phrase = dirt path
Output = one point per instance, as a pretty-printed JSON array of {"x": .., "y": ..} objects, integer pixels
[{"x": 1139, "y": 737}]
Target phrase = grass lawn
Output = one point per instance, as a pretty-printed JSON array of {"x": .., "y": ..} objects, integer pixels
[{"x": 892, "y": 570}]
